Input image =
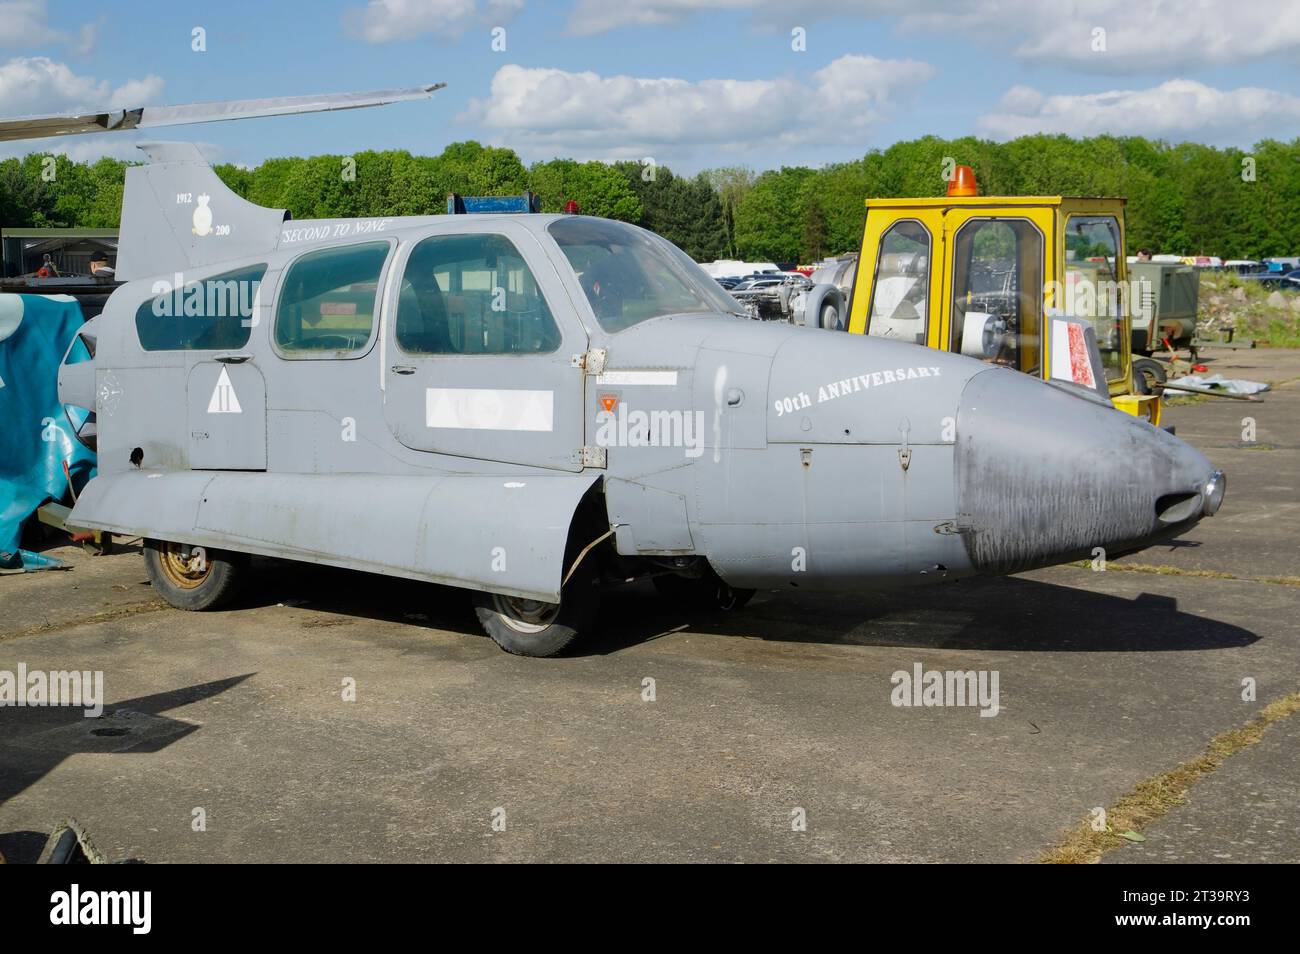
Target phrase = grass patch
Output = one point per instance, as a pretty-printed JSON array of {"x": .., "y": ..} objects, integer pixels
[
  {"x": 1150, "y": 799},
  {"x": 117, "y": 612},
  {"x": 1278, "y": 334},
  {"x": 1164, "y": 569}
]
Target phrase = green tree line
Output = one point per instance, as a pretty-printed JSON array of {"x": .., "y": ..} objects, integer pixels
[{"x": 1184, "y": 199}]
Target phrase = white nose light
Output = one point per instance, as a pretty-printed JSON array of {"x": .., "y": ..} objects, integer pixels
[{"x": 1213, "y": 492}]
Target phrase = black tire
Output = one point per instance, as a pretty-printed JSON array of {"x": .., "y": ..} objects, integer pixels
[
  {"x": 191, "y": 578},
  {"x": 533, "y": 628},
  {"x": 708, "y": 592},
  {"x": 1146, "y": 372}
]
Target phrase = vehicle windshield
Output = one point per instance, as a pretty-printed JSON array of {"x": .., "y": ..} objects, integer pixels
[{"x": 630, "y": 275}]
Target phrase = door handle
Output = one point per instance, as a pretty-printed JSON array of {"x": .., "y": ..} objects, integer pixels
[
  {"x": 233, "y": 357},
  {"x": 402, "y": 369}
]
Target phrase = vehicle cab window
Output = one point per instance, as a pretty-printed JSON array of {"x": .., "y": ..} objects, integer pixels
[
  {"x": 902, "y": 284},
  {"x": 472, "y": 294},
  {"x": 1092, "y": 288},
  {"x": 214, "y": 314},
  {"x": 327, "y": 302},
  {"x": 998, "y": 292}
]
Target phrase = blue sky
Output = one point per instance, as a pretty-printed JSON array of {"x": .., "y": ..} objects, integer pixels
[{"x": 691, "y": 84}]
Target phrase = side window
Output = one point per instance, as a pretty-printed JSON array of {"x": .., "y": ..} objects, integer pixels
[
  {"x": 472, "y": 294},
  {"x": 327, "y": 303},
  {"x": 902, "y": 284},
  {"x": 1092, "y": 289},
  {"x": 214, "y": 314},
  {"x": 998, "y": 292}
]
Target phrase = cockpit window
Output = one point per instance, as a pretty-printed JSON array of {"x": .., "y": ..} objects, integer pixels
[{"x": 630, "y": 275}]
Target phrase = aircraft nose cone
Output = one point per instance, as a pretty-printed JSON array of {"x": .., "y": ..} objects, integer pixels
[{"x": 1045, "y": 477}]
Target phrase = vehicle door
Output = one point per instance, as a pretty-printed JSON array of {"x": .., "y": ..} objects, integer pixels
[
  {"x": 997, "y": 270},
  {"x": 1094, "y": 287},
  {"x": 480, "y": 348},
  {"x": 900, "y": 276},
  {"x": 211, "y": 321}
]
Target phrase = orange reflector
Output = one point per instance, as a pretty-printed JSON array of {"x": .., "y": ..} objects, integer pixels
[{"x": 962, "y": 182}]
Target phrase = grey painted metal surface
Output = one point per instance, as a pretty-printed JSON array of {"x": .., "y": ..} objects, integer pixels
[
  {"x": 784, "y": 456},
  {"x": 145, "y": 117}
]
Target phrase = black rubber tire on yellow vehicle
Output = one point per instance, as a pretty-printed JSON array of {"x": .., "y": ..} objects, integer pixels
[
  {"x": 194, "y": 578},
  {"x": 535, "y": 628},
  {"x": 1146, "y": 372},
  {"x": 708, "y": 592}
]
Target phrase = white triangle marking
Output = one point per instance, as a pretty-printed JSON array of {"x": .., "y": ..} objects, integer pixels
[{"x": 224, "y": 400}]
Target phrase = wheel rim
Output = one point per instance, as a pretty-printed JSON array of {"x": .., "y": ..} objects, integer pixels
[
  {"x": 185, "y": 567},
  {"x": 525, "y": 616},
  {"x": 725, "y": 597}
]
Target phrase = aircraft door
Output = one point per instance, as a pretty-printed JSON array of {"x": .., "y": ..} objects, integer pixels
[
  {"x": 227, "y": 414},
  {"x": 210, "y": 322},
  {"x": 479, "y": 350}
]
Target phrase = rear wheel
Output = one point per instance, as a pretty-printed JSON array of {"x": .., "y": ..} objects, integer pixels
[
  {"x": 535, "y": 628},
  {"x": 193, "y": 578},
  {"x": 1148, "y": 372}
]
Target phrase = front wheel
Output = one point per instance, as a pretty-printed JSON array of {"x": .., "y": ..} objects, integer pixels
[
  {"x": 708, "y": 592},
  {"x": 527, "y": 627},
  {"x": 193, "y": 578}
]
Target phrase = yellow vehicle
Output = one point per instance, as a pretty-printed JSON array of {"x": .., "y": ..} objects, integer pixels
[{"x": 983, "y": 275}]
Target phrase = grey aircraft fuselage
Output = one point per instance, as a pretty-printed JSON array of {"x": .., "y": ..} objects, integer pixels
[{"x": 783, "y": 456}]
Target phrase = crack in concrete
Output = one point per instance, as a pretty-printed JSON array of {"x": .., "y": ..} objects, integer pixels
[{"x": 1152, "y": 798}]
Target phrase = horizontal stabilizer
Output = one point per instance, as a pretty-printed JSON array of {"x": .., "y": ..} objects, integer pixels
[{"x": 145, "y": 117}]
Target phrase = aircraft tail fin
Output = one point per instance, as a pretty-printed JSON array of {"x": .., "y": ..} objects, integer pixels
[{"x": 177, "y": 214}]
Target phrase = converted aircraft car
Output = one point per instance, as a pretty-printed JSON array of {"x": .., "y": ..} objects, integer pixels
[{"x": 534, "y": 406}]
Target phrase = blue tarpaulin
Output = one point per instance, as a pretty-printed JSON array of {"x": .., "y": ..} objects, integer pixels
[{"x": 36, "y": 438}]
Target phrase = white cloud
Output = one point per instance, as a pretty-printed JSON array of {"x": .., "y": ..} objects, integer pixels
[
  {"x": 37, "y": 84},
  {"x": 1139, "y": 37},
  {"x": 79, "y": 148},
  {"x": 87, "y": 38},
  {"x": 1177, "y": 109},
  {"x": 138, "y": 92},
  {"x": 626, "y": 115},
  {"x": 386, "y": 21},
  {"x": 26, "y": 23},
  {"x": 597, "y": 16},
  {"x": 32, "y": 85},
  {"x": 90, "y": 148}
]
